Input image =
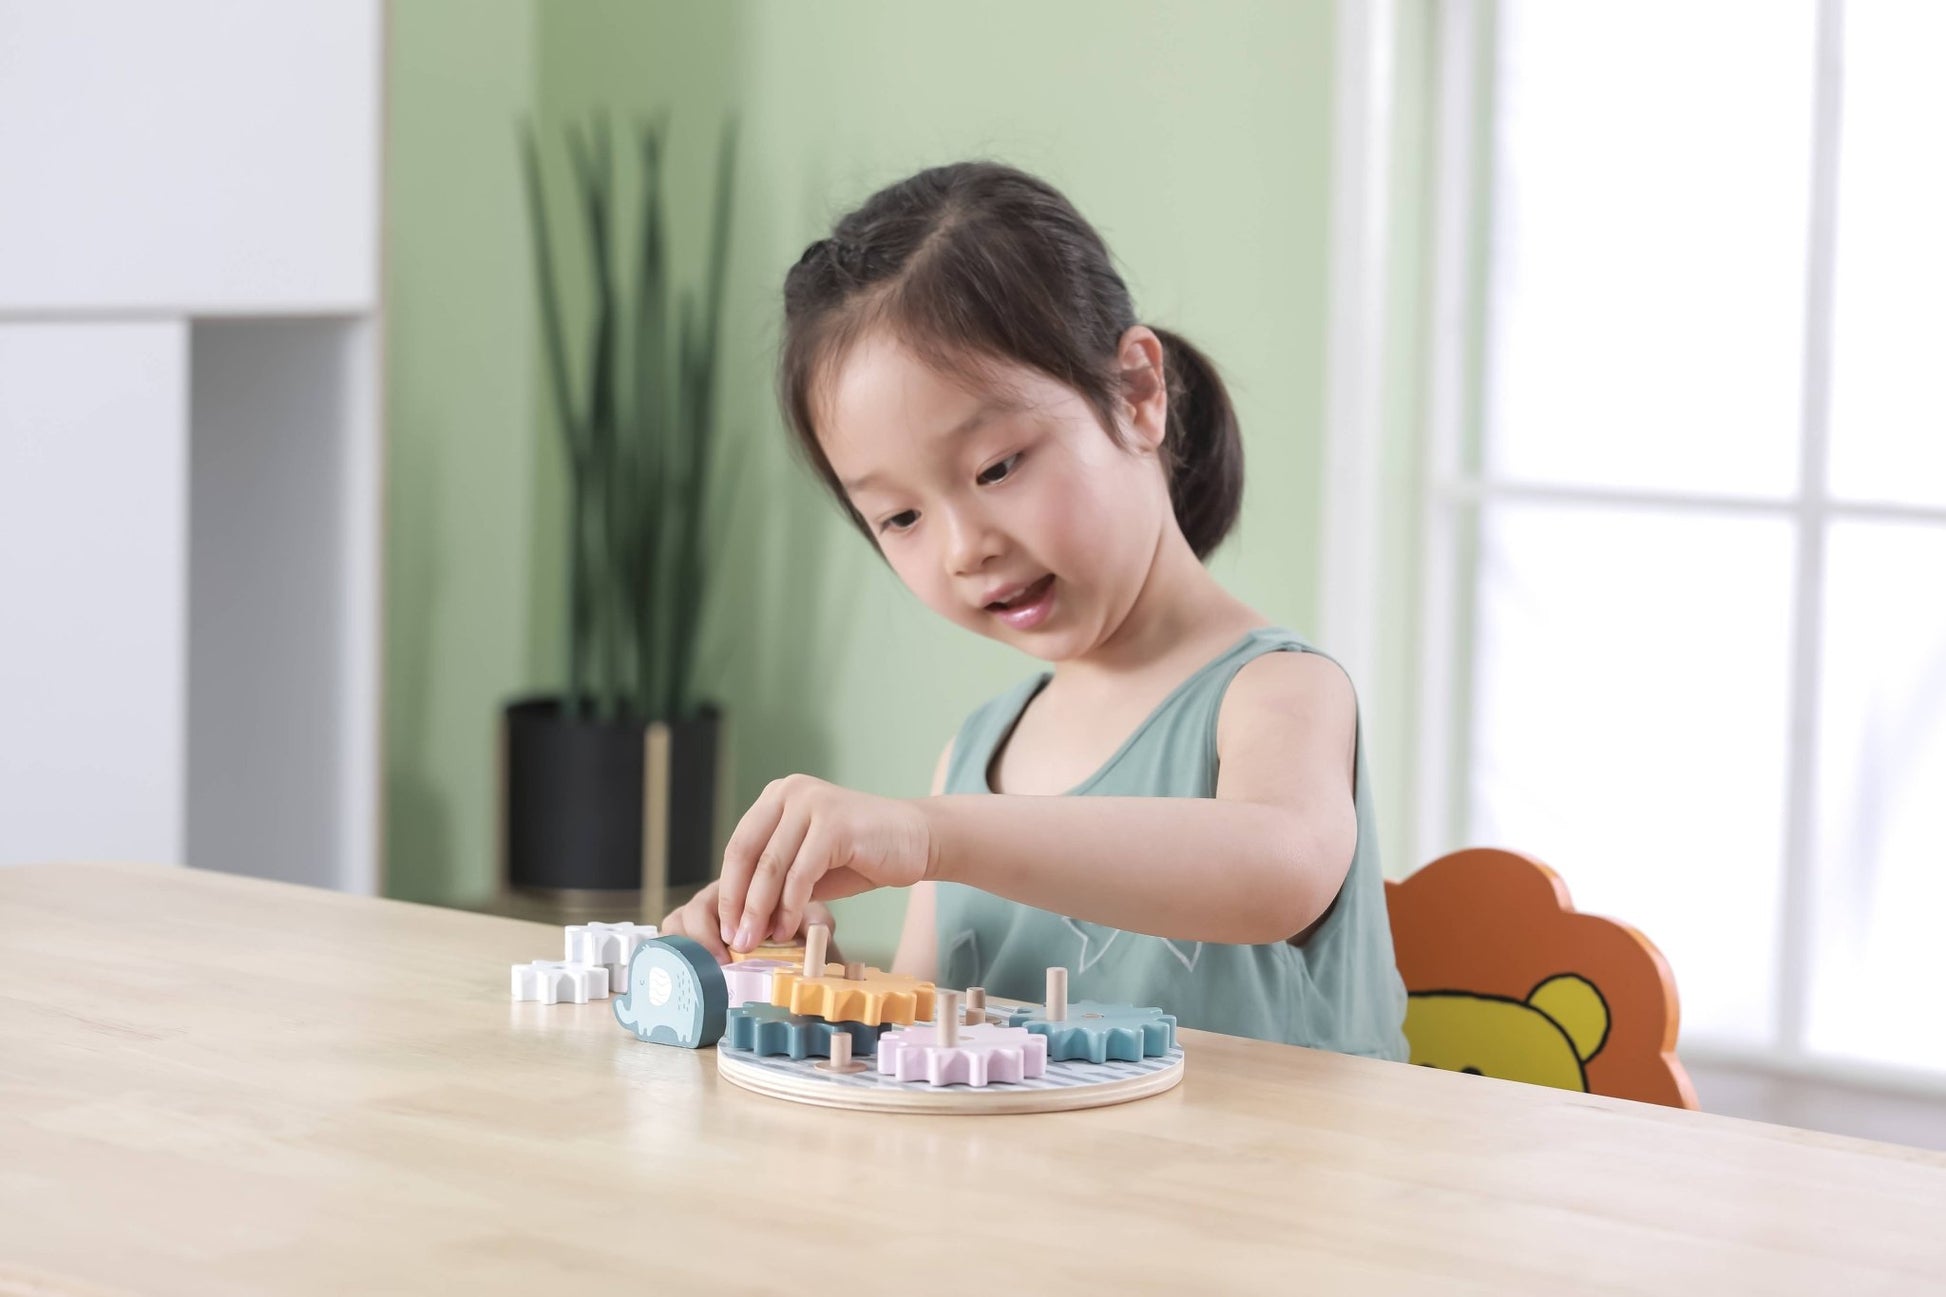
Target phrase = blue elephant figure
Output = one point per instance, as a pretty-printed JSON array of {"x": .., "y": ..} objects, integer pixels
[{"x": 676, "y": 994}]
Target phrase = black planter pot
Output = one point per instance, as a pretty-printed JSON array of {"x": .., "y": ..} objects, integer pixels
[{"x": 608, "y": 805}]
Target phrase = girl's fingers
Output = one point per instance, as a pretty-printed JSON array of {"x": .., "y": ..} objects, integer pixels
[
  {"x": 767, "y": 879},
  {"x": 836, "y": 885},
  {"x": 806, "y": 869},
  {"x": 753, "y": 831},
  {"x": 677, "y": 922},
  {"x": 697, "y": 921},
  {"x": 814, "y": 913}
]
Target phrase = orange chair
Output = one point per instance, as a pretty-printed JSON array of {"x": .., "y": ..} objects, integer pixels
[{"x": 1504, "y": 978}]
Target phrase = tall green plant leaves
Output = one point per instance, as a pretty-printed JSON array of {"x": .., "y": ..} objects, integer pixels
[
  {"x": 700, "y": 344},
  {"x": 580, "y": 602},
  {"x": 601, "y": 529},
  {"x": 640, "y": 444},
  {"x": 650, "y": 425}
]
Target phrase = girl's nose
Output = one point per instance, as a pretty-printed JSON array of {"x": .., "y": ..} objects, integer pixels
[{"x": 970, "y": 542}]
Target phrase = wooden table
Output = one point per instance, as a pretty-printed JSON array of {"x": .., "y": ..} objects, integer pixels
[{"x": 215, "y": 1085}]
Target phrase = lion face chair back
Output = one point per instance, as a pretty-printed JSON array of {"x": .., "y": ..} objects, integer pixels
[{"x": 1504, "y": 978}]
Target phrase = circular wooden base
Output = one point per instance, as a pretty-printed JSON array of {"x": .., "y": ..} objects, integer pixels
[{"x": 1066, "y": 1086}]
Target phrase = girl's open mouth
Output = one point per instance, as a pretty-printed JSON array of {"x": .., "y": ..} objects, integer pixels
[{"x": 1029, "y": 608}]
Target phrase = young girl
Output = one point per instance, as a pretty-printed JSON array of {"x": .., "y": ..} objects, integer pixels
[{"x": 1177, "y": 812}]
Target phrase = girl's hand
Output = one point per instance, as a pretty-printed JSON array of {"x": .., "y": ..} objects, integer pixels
[
  {"x": 804, "y": 841},
  {"x": 697, "y": 921}
]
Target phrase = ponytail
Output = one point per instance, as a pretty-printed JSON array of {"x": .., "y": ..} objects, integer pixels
[{"x": 1202, "y": 447}]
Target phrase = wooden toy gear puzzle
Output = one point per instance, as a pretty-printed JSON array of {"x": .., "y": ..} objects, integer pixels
[{"x": 871, "y": 1040}]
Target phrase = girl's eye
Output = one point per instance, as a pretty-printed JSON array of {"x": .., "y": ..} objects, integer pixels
[
  {"x": 899, "y": 521},
  {"x": 999, "y": 472}
]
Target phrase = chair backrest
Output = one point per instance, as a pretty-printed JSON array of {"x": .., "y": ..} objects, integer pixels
[{"x": 1504, "y": 978}]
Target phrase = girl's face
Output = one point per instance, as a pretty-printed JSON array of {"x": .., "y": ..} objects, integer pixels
[{"x": 1009, "y": 510}]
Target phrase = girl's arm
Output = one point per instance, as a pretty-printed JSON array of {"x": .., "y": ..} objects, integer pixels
[
  {"x": 919, "y": 940},
  {"x": 1259, "y": 862}
]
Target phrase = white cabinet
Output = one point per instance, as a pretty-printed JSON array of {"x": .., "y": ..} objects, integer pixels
[
  {"x": 190, "y": 332},
  {"x": 94, "y": 476},
  {"x": 196, "y": 156}
]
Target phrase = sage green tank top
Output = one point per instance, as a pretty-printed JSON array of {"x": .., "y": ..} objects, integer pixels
[{"x": 1340, "y": 990}]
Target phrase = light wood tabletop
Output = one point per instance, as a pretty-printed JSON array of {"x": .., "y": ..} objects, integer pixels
[{"x": 214, "y": 1085}]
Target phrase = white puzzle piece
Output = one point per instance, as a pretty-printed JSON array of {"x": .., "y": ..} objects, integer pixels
[
  {"x": 606, "y": 943},
  {"x": 552, "y": 981}
]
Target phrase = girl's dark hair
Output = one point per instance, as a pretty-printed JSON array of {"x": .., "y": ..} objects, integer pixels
[{"x": 977, "y": 262}]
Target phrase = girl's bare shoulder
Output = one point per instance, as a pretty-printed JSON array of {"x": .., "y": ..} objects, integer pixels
[{"x": 1275, "y": 691}]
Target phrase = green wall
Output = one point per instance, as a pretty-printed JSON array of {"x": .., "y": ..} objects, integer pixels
[
  {"x": 459, "y": 431},
  {"x": 1197, "y": 139}
]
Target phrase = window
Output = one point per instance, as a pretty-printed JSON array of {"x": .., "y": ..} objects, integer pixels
[{"x": 1685, "y": 627}]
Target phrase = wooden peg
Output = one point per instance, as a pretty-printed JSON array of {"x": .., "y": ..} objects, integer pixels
[
  {"x": 1057, "y": 994},
  {"x": 976, "y": 1005},
  {"x": 816, "y": 938},
  {"x": 945, "y": 1019},
  {"x": 840, "y": 1060},
  {"x": 855, "y": 971}
]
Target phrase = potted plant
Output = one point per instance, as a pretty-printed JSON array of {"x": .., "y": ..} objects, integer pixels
[{"x": 610, "y": 785}]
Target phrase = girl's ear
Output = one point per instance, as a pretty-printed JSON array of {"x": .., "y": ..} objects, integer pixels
[{"x": 1145, "y": 391}]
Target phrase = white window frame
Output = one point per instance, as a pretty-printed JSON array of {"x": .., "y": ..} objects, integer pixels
[
  {"x": 1355, "y": 362},
  {"x": 1366, "y": 95}
]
